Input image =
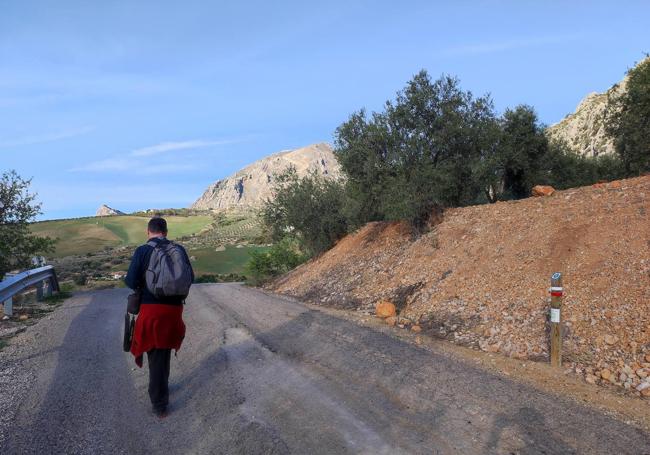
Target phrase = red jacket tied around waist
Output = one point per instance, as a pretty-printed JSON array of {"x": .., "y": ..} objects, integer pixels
[{"x": 158, "y": 326}]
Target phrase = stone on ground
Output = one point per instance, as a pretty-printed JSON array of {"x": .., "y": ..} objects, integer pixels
[{"x": 385, "y": 309}]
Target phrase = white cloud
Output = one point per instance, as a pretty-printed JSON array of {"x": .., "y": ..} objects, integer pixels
[
  {"x": 133, "y": 166},
  {"x": 45, "y": 138},
  {"x": 135, "y": 161},
  {"x": 171, "y": 146}
]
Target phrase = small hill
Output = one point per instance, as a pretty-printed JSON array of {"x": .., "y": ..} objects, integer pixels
[
  {"x": 105, "y": 210},
  {"x": 481, "y": 276},
  {"x": 584, "y": 130},
  {"x": 252, "y": 185}
]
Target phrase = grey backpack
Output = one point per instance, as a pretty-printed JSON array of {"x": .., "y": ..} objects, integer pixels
[{"x": 169, "y": 274}]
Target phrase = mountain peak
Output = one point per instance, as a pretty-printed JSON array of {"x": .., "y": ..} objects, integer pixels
[
  {"x": 105, "y": 210},
  {"x": 252, "y": 185}
]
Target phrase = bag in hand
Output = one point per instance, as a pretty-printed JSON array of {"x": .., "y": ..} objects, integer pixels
[
  {"x": 133, "y": 302},
  {"x": 129, "y": 325}
]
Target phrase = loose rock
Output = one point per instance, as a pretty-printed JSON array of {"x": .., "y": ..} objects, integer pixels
[
  {"x": 542, "y": 190},
  {"x": 610, "y": 339},
  {"x": 385, "y": 309}
]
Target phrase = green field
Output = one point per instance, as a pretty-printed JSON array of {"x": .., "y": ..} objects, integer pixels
[
  {"x": 231, "y": 260},
  {"x": 88, "y": 235}
]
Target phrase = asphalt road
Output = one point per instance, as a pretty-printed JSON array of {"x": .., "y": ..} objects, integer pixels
[{"x": 260, "y": 374}]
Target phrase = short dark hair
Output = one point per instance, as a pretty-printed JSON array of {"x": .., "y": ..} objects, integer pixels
[{"x": 157, "y": 225}]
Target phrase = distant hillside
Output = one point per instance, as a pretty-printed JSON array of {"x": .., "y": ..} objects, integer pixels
[
  {"x": 584, "y": 130},
  {"x": 80, "y": 236},
  {"x": 105, "y": 210},
  {"x": 252, "y": 185}
]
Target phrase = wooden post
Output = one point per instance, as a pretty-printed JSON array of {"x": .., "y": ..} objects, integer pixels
[{"x": 556, "y": 320}]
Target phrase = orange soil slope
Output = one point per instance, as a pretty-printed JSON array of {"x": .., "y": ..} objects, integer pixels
[{"x": 481, "y": 277}]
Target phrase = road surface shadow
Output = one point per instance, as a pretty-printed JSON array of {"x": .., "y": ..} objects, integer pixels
[
  {"x": 535, "y": 433},
  {"x": 80, "y": 406}
]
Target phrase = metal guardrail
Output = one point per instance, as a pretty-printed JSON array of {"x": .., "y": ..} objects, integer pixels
[{"x": 16, "y": 284}]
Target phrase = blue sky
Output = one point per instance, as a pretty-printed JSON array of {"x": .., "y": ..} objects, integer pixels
[{"x": 141, "y": 104}]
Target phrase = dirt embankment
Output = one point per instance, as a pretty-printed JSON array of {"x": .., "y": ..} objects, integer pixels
[{"x": 481, "y": 277}]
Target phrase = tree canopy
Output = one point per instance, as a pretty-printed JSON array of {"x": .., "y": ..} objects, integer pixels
[
  {"x": 17, "y": 208},
  {"x": 420, "y": 153},
  {"x": 629, "y": 120},
  {"x": 309, "y": 209}
]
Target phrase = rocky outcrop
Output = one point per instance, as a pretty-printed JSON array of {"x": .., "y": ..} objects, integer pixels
[
  {"x": 251, "y": 186},
  {"x": 584, "y": 130},
  {"x": 105, "y": 210}
]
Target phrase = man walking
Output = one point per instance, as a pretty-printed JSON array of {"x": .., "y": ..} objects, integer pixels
[{"x": 161, "y": 273}]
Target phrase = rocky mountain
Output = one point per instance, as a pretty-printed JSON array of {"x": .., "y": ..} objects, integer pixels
[
  {"x": 252, "y": 185},
  {"x": 584, "y": 130},
  {"x": 105, "y": 210}
]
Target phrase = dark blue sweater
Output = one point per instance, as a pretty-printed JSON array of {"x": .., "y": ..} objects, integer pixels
[{"x": 135, "y": 278}]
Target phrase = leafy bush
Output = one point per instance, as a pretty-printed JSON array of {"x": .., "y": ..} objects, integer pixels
[
  {"x": 309, "y": 210},
  {"x": 564, "y": 168},
  {"x": 282, "y": 257}
]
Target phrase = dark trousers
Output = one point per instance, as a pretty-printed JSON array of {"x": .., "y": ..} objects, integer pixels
[{"x": 159, "y": 360}]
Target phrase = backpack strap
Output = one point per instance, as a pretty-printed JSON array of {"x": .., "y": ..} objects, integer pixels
[{"x": 152, "y": 244}]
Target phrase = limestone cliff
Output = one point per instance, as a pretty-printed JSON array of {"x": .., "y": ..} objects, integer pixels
[
  {"x": 584, "y": 130},
  {"x": 252, "y": 185}
]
